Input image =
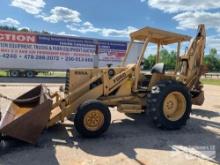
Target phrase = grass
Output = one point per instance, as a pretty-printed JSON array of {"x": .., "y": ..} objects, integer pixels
[
  {"x": 52, "y": 74},
  {"x": 46, "y": 74},
  {"x": 3, "y": 73},
  {"x": 211, "y": 81}
]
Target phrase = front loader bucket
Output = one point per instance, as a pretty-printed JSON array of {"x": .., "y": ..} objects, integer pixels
[{"x": 27, "y": 116}]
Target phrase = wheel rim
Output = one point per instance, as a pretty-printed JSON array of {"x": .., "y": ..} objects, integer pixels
[
  {"x": 93, "y": 120},
  {"x": 174, "y": 106}
]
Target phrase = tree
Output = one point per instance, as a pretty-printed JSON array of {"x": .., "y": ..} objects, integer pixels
[
  {"x": 8, "y": 28},
  {"x": 212, "y": 60},
  {"x": 149, "y": 62},
  {"x": 168, "y": 58},
  {"x": 24, "y": 30},
  {"x": 45, "y": 32}
]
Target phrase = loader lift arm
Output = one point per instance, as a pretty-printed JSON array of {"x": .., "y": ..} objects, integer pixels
[{"x": 68, "y": 105}]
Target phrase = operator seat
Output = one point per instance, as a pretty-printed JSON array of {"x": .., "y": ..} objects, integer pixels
[
  {"x": 146, "y": 79},
  {"x": 158, "y": 68}
]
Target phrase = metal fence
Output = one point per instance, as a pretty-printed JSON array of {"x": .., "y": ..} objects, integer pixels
[{"x": 212, "y": 75}]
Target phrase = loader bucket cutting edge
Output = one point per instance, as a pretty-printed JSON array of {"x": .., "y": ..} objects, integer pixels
[{"x": 25, "y": 120}]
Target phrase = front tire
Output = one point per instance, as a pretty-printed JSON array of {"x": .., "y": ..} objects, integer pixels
[
  {"x": 92, "y": 119},
  {"x": 169, "y": 104}
]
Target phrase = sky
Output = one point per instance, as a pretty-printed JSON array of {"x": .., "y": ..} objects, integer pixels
[{"x": 113, "y": 19}]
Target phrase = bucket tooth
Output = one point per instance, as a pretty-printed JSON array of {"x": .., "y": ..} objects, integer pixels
[{"x": 25, "y": 120}]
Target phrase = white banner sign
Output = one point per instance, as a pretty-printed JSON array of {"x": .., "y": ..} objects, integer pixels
[{"x": 51, "y": 52}]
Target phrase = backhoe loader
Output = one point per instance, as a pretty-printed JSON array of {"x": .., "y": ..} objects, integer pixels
[{"x": 89, "y": 92}]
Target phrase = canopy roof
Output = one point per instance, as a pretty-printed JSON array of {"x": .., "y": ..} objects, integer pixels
[{"x": 158, "y": 36}]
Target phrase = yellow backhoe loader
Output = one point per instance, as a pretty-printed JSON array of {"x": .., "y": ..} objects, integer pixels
[{"x": 89, "y": 92}]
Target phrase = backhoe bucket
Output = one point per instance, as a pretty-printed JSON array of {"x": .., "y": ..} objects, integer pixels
[{"x": 27, "y": 116}]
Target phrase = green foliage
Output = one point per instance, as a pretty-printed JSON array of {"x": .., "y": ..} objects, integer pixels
[
  {"x": 45, "y": 32},
  {"x": 21, "y": 30},
  {"x": 212, "y": 61},
  {"x": 24, "y": 30},
  {"x": 168, "y": 58},
  {"x": 149, "y": 62},
  {"x": 8, "y": 28}
]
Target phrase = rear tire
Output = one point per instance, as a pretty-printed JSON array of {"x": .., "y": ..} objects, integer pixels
[
  {"x": 169, "y": 104},
  {"x": 92, "y": 119}
]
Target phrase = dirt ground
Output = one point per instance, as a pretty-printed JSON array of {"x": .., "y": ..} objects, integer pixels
[{"x": 129, "y": 140}]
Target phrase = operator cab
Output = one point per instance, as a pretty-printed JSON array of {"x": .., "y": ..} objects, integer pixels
[{"x": 159, "y": 38}]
